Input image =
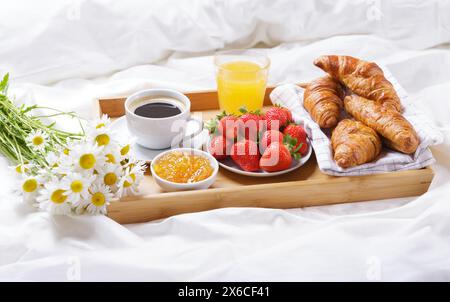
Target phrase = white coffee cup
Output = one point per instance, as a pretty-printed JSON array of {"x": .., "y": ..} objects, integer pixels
[{"x": 164, "y": 132}]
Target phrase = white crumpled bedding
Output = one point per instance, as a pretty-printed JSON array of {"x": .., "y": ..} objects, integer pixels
[{"x": 65, "y": 54}]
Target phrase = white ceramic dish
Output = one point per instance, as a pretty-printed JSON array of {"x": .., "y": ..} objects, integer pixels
[
  {"x": 123, "y": 136},
  {"x": 172, "y": 186},
  {"x": 230, "y": 165}
]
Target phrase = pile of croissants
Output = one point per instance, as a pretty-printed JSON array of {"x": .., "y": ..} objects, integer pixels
[{"x": 360, "y": 88}]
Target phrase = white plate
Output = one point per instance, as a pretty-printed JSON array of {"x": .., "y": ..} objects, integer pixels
[
  {"x": 230, "y": 165},
  {"x": 123, "y": 136}
]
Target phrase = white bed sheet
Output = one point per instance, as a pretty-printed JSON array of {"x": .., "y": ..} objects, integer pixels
[{"x": 402, "y": 239}]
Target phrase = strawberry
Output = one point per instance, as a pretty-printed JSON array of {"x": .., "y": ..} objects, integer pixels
[
  {"x": 298, "y": 136},
  {"x": 219, "y": 147},
  {"x": 229, "y": 126},
  {"x": 276, "y": 118},
  {"x": 295, "y": 131},
  {"x": 251, "y": 123},
  {"x": 225, "y": 124},
  {"x": 276, "y": 157},
  {"x": 288, "y": 115},
  {"x": 269, "y": 137},
  {"x": 245, "y": 154},
  {"x": 304, "y": 148}
]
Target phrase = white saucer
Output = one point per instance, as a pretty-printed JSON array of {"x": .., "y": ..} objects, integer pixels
[
  {"x": 123, "y": 136},
  {"x": 230, "y": 165}
]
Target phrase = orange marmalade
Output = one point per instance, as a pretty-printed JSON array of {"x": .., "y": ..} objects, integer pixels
[{"x": 183, "y": 167}]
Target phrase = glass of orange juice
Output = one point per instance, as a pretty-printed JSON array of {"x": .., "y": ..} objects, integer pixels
[{"x": 241, "y": 79}]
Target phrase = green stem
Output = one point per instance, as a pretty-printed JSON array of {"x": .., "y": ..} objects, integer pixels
[{"x": 16, "y": 125}]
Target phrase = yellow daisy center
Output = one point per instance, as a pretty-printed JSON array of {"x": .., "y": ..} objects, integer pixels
[
  {"x": 66, "y": 151},
  {"x": 30, "y": 185},
  {"x": 38, "y": 140},
  {"x": 76, "y": 186},
  {"x": 110, "y": 178},
  {"x": 87, "y": 161},
  {"x": 98, "y": 199},
  {"x": 102, "y": 139},
  {"x": 125, "y": 149},
  {"x": 58, "y": 196},
  {"x": 110, "y": 158},
  {"x": 127, "y": 184},
  {"x": 20, "y": 169}
]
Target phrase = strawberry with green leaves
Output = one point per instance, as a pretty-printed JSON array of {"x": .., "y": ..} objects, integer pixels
[
  {"x": 276, "y": 157},
  {"x": 282, "y": 148},
  {"x": 279, "y": 155},
  {"x": 227, "y": 125},
  {"x": 251, "y": 123},
  {"x": 288, "y": 115},
  {"x": 277, "y": 117},
  {"x": 269, "y": 137},
  {"x": 298, "y": 134},
  {"x": 245, "y": 154}
]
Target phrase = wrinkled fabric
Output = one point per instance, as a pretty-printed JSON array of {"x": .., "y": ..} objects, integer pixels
[
  {"x": 67, "y": 65},
  {"x": 77, "y": 38}
]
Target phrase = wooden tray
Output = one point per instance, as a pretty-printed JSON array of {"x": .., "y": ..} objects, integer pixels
[{"x": 306, "y": 186}]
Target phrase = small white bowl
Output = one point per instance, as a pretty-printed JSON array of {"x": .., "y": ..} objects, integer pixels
[{"x": 173, "y": 186}]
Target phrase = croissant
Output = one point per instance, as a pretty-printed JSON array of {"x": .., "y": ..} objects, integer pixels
[
  {"x": 323, "y": 100},
  {"x": 354, "y": 143},
  {"x": 399, "y": 134},
  {"x": 363, "y": 78}
]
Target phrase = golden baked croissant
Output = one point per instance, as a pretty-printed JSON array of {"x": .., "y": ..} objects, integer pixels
[
  {"x": 399, "y": 134},
  {"x": 363, "y": 78},
  {"x": 323, "y": 100},
  {"x": 354, "y": 143}
]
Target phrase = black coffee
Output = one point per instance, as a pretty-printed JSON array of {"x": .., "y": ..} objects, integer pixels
[{"x": 157, "y": 110}]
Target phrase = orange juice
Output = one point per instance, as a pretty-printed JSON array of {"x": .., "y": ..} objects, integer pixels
[{"x": 241, "y": 83}]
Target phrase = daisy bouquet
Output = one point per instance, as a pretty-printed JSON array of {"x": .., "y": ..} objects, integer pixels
[{"x": 63, "y": 172}]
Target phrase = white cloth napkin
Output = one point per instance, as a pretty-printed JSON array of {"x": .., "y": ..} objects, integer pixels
[{"x": 291, "y": 96}]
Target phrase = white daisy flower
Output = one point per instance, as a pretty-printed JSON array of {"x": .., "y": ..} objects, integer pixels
[
  {"x": 52, "y": 198},
  {"x": 99, "y": 197},
  {"x": 52, "y": 159},
  {"x": 30, "y": 188},
  {"x": 60, "y": 161},
  {"x": 102, "y": 122},
  {"x": 129, "y": 183},
  {"x": 44, "y": 175},
  {"x": 23, "y": 168},
  {"x": 101, "y": 136},
  {"x": 133, "y": 163},
  {"x": 112, "y": 155},
  {"x": 110, "y": 176},
  {"x": 76, "y": 186},
  {"x": 70, "y": 144},
  {"x": 126, "y": 150},
  {"x": 65, "y": 165},
  {"x": 87, "y": 157},
  {"x": 37, "y": 140},
  {"x": 80, "y": 209}
]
